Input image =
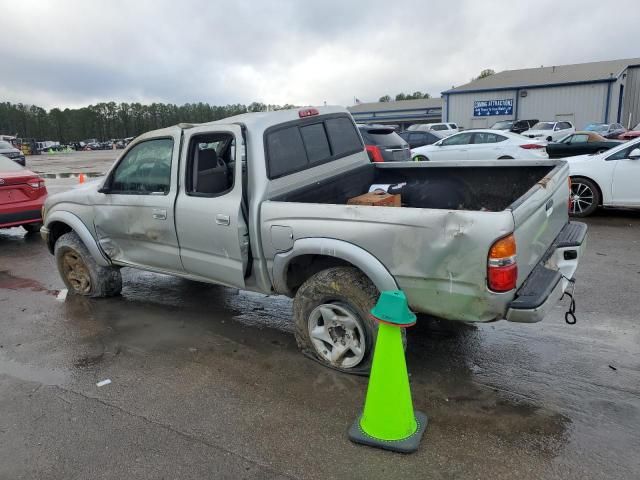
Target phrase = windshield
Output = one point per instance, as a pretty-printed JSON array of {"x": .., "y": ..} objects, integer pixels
[
  {"x": 5, "y": 145},
  {"x": 504, "y": 125},
  {"x": 543, "y": 126},
  {"x": 597, "y": 127}
]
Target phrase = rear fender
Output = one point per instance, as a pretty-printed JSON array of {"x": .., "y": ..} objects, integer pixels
[{"x": 356, "y": 256}]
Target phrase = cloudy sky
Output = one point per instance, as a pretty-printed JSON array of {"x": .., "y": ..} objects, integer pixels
[{"x": 72, "y": 53}]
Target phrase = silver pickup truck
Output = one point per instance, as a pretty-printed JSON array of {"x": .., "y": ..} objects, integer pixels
[{"x": 259, "y": 202}]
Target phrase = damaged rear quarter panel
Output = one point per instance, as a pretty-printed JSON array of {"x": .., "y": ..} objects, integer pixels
[{"x": 438, "y": 257}]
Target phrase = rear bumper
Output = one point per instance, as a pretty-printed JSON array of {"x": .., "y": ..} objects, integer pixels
[
  {"x": 14, "y": 219},
  {"x": 550, "y": 278}
]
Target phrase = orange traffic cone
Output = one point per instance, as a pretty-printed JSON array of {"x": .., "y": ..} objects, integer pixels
[{"x": 81, "y": 178}]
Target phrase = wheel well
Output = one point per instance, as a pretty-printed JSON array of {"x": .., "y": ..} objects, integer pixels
[
  {"x": 56, "y": 230},
  {"x": 505, "y": 157},
  {"x": 303, "y": 267},
  {"x": 595, "y": 183}
]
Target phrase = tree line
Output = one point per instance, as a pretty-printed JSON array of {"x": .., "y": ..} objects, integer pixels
[
  {"x": 405, "y": 96},
  {"x": 109, "y": 120}
]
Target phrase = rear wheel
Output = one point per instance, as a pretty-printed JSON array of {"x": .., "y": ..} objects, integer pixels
[
  {"x": 32, "y": 227},
  {"x": 332, "y": 320},
  {"x": 585, "y": 197},
  {"x": 80, "y": 272}
]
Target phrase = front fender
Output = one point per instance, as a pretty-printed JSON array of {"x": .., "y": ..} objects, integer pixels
[
  {"x": 367, "y": 263},
  {"x": 81, "y": 230}
]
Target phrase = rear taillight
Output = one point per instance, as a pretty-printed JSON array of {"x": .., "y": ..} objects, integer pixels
[
  {"x": 375, "y": 155},
  {"x": 36, "y": 183},
  {"x": 502, "y": 268},
  {"x": 531, "y": 146}
]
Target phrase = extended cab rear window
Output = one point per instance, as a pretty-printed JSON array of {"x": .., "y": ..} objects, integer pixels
[{"x": 303, "y": 144}]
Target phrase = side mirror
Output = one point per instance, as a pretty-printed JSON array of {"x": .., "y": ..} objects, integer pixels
[{"x": 635, "y": 154}]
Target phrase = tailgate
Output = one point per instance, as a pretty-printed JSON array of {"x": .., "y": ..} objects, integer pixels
[{"x": 539, "y": 216}]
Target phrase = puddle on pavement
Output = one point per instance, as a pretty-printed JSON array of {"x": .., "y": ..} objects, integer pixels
[
  {"x": 29, "y": 373},
  {"x": 11, "y": 282},
  {"x": 158, "y": 313}
]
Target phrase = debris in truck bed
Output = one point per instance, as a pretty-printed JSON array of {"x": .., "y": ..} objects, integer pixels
[{"x": 377, "y": 199}]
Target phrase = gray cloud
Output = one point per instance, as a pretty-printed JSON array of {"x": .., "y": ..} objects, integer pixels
[{"x": 72, "y": 53}]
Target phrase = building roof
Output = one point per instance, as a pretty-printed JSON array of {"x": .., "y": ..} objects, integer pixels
[
  {"x": 553, "y": 75},
  {"x": 397, "y": 106}
]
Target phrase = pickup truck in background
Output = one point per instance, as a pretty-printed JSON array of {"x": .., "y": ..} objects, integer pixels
[{"x": 258, "y": 202}]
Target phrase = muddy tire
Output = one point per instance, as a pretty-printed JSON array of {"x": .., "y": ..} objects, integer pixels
[
  {"x": 332, "y": 320},
  {"x": 32, "y": 228},
  {"x": 80, "y": 272}
]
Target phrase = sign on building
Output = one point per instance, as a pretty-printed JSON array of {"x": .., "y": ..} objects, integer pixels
[{"x": 488, "y": 108}]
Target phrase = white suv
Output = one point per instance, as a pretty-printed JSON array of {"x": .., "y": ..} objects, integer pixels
[
  {"x": 550, "y": 131},
  {"x": 443, "y": 129}
]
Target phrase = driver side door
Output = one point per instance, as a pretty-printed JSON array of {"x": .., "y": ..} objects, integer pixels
[{"x": 134, "y": 210}]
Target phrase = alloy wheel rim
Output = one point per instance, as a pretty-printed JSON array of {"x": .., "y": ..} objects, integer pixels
[
  {"x": 76, "y": 272},
  {"x": 337, "y": 335},
  {"x": 581, "y": 197}
]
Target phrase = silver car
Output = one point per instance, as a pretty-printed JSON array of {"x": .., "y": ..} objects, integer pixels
[{"x": 12, "y": 152}]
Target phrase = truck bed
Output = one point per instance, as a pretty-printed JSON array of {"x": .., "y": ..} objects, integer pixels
[
  {"x": 437, "y": 250},
  {"x": 475, "y": 188}
]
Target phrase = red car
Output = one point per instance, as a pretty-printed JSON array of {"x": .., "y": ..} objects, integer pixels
[
  {"x": 631, "y": 134},
  {"x": 22, "y": 194}
]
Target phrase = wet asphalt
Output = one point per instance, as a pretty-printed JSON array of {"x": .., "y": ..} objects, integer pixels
[{"x": 207, "y": 382}]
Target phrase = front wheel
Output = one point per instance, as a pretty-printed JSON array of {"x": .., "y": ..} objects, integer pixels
[
  {"x": 80, "y": 272},
  {"x": 420, "y": 158},
  {"x": 505, "y": 157},
  {"x": 332, "y": 320},
  {"x": 585, "y": 197}
]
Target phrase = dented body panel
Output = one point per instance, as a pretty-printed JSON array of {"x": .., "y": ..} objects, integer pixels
[{"x": 438, "y": 257}]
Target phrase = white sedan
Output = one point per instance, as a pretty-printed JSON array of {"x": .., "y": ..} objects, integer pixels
[
  {"x": 482, "y": 145},
  {"x": 609, "y": 179},
  {"x": 550, "y": 131}
]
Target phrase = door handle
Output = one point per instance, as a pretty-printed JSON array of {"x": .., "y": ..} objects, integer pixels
[
  {"x": 159, "y": 214},
  {"x": 222, "y": 219}
]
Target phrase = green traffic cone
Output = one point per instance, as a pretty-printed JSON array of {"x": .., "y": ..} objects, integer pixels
[{"x": 388, "y": 420}]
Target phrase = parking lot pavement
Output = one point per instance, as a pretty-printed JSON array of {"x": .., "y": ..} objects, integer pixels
[
  {"x": 208, "y": 382},
  {"x": 65, "y": 164}
]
